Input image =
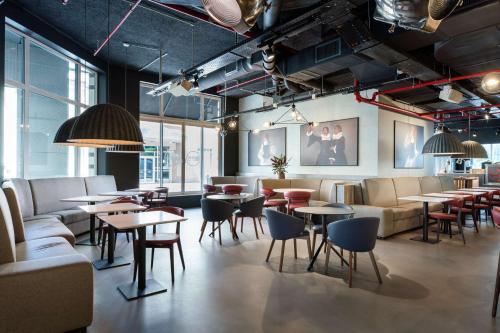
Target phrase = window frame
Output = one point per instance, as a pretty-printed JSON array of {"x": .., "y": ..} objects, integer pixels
[{"x": 28, "y": 89}]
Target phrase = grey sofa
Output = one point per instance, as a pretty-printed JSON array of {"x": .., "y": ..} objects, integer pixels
[
  {"x": 40, "y": 199},
  {"x": 38, "y": 274}
]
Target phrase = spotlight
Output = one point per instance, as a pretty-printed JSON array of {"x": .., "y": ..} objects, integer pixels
[
  {"x": 256, "y": 131},
  {"x": 491, "y": 83},
  {"x": 275, "y": 105},
  {"x": 474, "y": 134},
  {"x": 315, "y": 124},
  {"x": 232, "y": 124},
  {"x": 267, "y": 124},
  {"x": 460, "y": 130},
  {"x": 487, "y": 115},
  {"x": 126, "y": 44}
]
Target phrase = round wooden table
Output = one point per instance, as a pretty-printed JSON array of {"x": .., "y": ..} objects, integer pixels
[
  {"x": 324, "y": 211},
  {"x": 228, "y": 197},
  {"x": 222, "y": 185}
]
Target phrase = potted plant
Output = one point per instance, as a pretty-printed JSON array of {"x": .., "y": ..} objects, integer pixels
[{"x": 279, "y": 164}]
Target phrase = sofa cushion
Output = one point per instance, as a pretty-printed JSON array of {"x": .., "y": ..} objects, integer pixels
[
  {"x": 379, "y": 192},
  {"x": 318, "y": 203},
  {"x": 430, "y": 184},
  {"x": 69, "y": 216},
  {"x": 15, "y": 212},
  {"x": 43, "y": 248},
  {"x": 406, "y": 186},
  {"x": 447, "y": 183},
  {"x": 47, "y": 228},
  {"x": 24, "y": 195},
  {"x": 41, "y": 217},
  {"x": 328, "y": 190},
  {"x": 7, "y": 235},
  {"x": 312, "y": 184},
  {"x": 58, "y": 188},
  {"x": 406, "y": 211},
  {"x": 223, "y": 180},
  {"x": 100, "y": 184}
]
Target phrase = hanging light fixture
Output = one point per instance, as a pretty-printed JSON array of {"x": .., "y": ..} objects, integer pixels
[
  {"x": 473, "y": 149},
  {"x": 491, "y": 83},
  {"x": 443, "y": 143},
  {"x": 62, "y": 135},
  {"x": 290, "y": 116},
  {"x": 127, "y": 149}
]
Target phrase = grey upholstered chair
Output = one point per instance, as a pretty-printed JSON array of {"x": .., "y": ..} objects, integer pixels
[
  {"x": 354, "y": 235},
  {"x": 216, "y": 211},
  {"x": 284, "y": 227},
  {"x": 317, "y": 225},
  {"x": 253, "y": 209}
]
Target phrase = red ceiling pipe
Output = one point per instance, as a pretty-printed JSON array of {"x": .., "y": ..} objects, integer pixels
[
  {"x": 241, "y": 84},
  {"x": 388, "y": 107},
  {"x": 464, "y": 109},
  {"x": 432, "y": 83},
  {"x": 108, "y": 37},
  {"x": 198, "y": 16}
]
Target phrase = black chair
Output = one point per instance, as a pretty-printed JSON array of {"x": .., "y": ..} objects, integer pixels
[
  {"x": 284, "y": 227},
  {"x": 317, "y": 225},
  {"x": 354, "y": 235},
  {"x": 216, "y": 211},
  {"x": 251, "y": 208}
]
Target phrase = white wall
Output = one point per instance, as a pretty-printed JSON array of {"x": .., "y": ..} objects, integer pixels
[{"x": 322, "y": 109}]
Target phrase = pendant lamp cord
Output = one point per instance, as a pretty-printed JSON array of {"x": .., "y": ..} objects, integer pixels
[
  {"x": 108, "y": 46},
  {"x": 126, "y": 67},
  {"x": 469, "y": 126}
]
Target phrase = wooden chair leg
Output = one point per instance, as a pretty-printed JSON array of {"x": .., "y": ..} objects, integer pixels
[
  {"x": 152, "y": 257},
  {"x": 242, "y": 218},
  {"x": 171, "y": 250},
  {"x": 128, "y": 239},
  {"x": 438, "y": 229},
  {"x": 350, "y": 269},
  {"x": 220, "y": 235},
  {"x": 309, "y": 250},
  {"x": 203, "y": 229},
  {"x": 374, "y": 263},
  {"x": 355, "y": 266},
  {"x": 475, "y": 222},
  {"x": 270, "y": 250},
  {"x": 255, "y": 227},
  {"x": 260, "y": 223},
  {"x": 327, "y": 260},
  {"x": 342, "y": 255},
  {"x": 235, "y": 222},
  {"x": 295, "y": 248},
  {"x": 282, "y": 254},
  {"x": 181, "y": 254}
]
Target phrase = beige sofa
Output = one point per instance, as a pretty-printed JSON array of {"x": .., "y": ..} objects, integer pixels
[
  {"x": 40, "y": 199},
  {"x": 38, "y": 276},
  {"x": 381, "y": 199}
]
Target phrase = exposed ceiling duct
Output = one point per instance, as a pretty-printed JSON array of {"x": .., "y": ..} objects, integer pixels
[
  {"x": 240, "y": 15},
  {"x": 421, "y": 15}
]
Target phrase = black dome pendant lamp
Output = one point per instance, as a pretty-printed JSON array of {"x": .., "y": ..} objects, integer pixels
[
  {"x": 62, "y": 135},
  {"x": 443, "y": 143}
]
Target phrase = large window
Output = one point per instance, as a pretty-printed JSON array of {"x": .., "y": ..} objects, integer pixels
[
  {"x": 181, "y": 150},
  {"x": 42, "y": 89}
]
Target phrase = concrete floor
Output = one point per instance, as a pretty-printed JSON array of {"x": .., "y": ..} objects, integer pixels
[{"x": 447, "y": 287}]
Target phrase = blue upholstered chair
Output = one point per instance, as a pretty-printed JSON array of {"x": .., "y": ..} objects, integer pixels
[
  {"x": 253, "y": 209},
  {"x": 354, "y": 235},
  {"x": 284, "y": 227},
  {"x": 216, "y": 211},
  {"x": 317, "y": 225}
]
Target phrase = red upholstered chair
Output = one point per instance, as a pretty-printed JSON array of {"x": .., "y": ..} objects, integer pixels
[
  {"x": 163, "y": 241},
  {"x": 495, "y": 214},
  {"x": 232, "y": 189},
  {"x": 209, "y": 189},
  {"x": 296, "y": 199},
  {"x": 447, "y": 218},
  {"x": 485, "y": 203},
  {"x": 467, "y": 209},
  {"x": 269, "y": 202}
]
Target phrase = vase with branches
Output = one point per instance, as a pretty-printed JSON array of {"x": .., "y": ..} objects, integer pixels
[{"x": 279, "y": 164}]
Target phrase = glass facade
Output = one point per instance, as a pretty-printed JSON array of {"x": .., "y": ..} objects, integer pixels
[
  {"x": 179, "y": 152},
  {"x": 35, "y": 107}
]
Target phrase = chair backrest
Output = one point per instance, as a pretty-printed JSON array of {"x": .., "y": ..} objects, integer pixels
[
  {"x": 267, "y": 193},
  {"x": 207, "y": 188},
  {"x": 232, "y": 189},
  {"x": 162, "y": 192},
  {"x": 457, "y": 203},
  {"x": 253, "y": 208},
  {"x": 7, "y": 236},
  {"x": 216, "y": 210},
  {"x": 316, "y": 219},
  {"x": 495, "y": 215},
  {"x": 298, "y": 196},
  {"x": 358, "y": 234},
  {"x": 168, "y": 209},
  {"x": 283, "y": 226}
]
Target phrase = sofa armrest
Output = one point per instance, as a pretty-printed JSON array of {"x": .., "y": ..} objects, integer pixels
[
  {"x": 51, "y": 295},
  {"x": 385, "y": 214}
]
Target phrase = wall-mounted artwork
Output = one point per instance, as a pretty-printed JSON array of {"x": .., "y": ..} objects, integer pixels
[
  {"x": 266, "y": 144},
  {"x": 331, "y": 143},
  {"x": 408, "y": 144}
]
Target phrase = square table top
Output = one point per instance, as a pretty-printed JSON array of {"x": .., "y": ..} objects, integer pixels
[
  {"x": 423, "y": 198},
  {"x": 241, "y": 196},
  {"x": 91, "y": 198},
  {"x": 143, "y": 219},
  {"x": 111, "y": 208},
  {"x": 486, "y": 188},
  {"x": 447, "y": 195},
  {"x": 461, "y": 191},
  {"x": 126, "y": 193}
]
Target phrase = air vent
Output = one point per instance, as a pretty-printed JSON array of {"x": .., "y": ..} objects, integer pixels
[
  {"x": 231, "y": 68},
  {"x": 327, "y": 50}
]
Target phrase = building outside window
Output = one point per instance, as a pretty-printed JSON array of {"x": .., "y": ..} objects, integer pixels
[
  {"x": 42, "y": 89},
  {"x": 182, "y": 150}
]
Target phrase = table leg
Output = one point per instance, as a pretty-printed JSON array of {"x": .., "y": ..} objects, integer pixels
[
  {"x": 90, "y": 241},
  {"x": 111, "y": 261},
  {"x": 425, "y": 228},
  {"x": 143, "y": 287}
]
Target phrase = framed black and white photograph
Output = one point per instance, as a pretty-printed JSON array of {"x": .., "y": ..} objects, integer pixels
[
  {"x": 331, "y": 143},
  {"x": 266, "y": 144},
  {"x": 408, "y": 144}
]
